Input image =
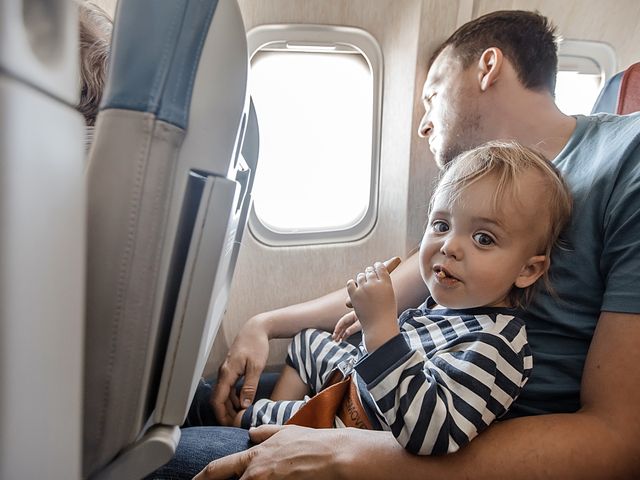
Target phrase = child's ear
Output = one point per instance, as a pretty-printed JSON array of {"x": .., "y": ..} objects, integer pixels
[{"x": 532, "y": 271}]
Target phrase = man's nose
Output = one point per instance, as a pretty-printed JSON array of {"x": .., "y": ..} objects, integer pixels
[{"x": 426, "y": 127}]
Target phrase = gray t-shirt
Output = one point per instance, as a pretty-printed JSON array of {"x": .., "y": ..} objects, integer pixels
[{"x": 600, "y": 270}]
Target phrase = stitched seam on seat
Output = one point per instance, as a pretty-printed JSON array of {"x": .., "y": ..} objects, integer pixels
[{"x": 124, "y": 275}]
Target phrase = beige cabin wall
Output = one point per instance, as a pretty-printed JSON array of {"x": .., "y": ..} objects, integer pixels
[
  {"x": 437, "y": 20},
  {"x": 270, "y": 277},
  {"x": 616, "y": 22},
  {"x": 408, "y": 31}
]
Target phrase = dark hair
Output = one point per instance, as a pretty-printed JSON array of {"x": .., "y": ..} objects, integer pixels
[
  {"x": 95, "y": 35},
  {"x": 527, "y": 39}
]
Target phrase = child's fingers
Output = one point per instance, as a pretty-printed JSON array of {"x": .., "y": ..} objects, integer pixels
[
  {"x": 339, "y": 334},
  {"x": 370, "y": 274},
  {"x": 361, "y": 279},
  {"x": 381, "y": 271},
  {"x": 347, "y": 302},
  {"x": 346, "y": 326},
  {"x": 392, "y": 263},
  {"x": 347, "y": 320},
  {"x": 339, "y": 329},
  {"x": 351, "y": 287},
  {"x": 355, "y": 328}
]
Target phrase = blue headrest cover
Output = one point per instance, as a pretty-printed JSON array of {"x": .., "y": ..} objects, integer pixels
[
  {"x": 607, "y": 101},
  {"x": 156, "y": 49}
]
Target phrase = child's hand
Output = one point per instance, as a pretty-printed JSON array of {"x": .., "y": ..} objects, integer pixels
[
  {"x": 374, "y": 302},
  {"x": 391, "y": 265},
  {"x": 346, "y": 326}
]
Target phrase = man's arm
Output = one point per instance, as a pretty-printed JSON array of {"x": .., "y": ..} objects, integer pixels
[
  {"x": 602, "y": 440},
  {"x": 248, "y": 354}
]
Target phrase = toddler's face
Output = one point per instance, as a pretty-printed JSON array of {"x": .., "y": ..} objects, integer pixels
[{"x": 472, "y": 253}]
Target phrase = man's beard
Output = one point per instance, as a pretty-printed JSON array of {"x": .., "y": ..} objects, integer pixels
[{"x": 468, "y": 138}]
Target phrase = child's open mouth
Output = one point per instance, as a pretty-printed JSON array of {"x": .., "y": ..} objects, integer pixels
[{"x": 444, "y": 277}]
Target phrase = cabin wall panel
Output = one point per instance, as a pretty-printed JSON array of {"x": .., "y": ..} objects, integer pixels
[
  {"x": 437, "y": 20},
  {"x": 270, "y": 277},
  {"x": 408, "y": 32}
]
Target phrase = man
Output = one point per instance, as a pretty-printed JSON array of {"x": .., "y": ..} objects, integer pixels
[{"x": 494, "y": 79}]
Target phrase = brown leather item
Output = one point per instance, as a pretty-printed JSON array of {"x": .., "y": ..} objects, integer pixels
[{"x": 338, "y": 400}]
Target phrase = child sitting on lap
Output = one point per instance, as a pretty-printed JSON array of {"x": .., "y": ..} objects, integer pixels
[{"x": 441, "y": 373}]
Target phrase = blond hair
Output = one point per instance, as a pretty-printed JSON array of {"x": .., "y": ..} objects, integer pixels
[
  {"x": 96, "y": 28},
  {"x": 506, "y": 161}
]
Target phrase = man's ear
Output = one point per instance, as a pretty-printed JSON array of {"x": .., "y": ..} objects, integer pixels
[
  {"x": 532, "y": 271},
  {"x": 489, "y": 67}
]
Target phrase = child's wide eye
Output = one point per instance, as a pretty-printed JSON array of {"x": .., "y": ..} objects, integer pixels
[
  {"x": 440, "y": 226},
  {"x": 483, "y": 239}
]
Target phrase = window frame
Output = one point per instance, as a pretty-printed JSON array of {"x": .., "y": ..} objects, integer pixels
[
  {"x": 316, "y": 38},
  {"x": 601, "y": 54}
]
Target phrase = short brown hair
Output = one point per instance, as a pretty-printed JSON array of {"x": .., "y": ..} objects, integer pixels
[
  {"x": 527, "y": 39},
  {"x": 508, "y": 160},
  {"x": 95, "y": 36}
]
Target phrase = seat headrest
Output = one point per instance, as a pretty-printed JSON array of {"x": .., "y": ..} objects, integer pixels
[
  {"x": 629, "y": 96},
  {"x": 621, "y": 94},
  {"x": 607, "y": 101}
]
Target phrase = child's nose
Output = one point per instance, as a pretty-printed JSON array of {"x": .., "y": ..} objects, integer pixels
[{"x": 451, "y": 247}]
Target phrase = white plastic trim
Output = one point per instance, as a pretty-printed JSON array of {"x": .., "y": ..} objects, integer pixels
[
  {"x": 601, "y": 53},
  {"x": 341, "y": 39}
]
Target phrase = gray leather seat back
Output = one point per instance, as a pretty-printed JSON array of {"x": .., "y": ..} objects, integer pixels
[
  {"x": 168, "y": 186},
  {"x": 42, "y": 241}
]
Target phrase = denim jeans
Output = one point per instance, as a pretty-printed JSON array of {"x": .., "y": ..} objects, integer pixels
[
  {"x": 198, "y": 446},
  {"x": 202, "y": 440}
]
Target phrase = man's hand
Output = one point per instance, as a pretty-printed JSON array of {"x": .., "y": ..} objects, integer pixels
[
  {"x": 247, "y": 357},
  {"x": 374, "y": 302},
  {"x": 291, "y": 452}
]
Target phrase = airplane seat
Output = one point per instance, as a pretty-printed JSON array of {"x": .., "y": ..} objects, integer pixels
[
  {"x": 629, "y": 97},
  {"x": 42, "y": 241},
  {"x": 169, "y": 179},
  {"x": 621, "y": 94}
]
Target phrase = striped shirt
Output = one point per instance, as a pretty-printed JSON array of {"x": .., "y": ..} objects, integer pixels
[{"x": 435, "y": 387}]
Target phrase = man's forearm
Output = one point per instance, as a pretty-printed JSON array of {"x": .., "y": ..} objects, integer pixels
[
  {"x": 323, "y": 313},
  {"x": 569, "y": 446}
]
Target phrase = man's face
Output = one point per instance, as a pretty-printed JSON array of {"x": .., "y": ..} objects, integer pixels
[{"x": 452, "y": 119}]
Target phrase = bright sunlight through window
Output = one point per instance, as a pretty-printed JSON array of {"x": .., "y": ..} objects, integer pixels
[
  {"x": 315, "y": 115},
  {"x": 577, "y": 92},
  {"x": 583, "y": 68}
]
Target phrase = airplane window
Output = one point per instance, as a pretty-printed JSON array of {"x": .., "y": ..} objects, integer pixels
[
  {"x": 317, "y": 111},
  {"x": 577, "y": 92},
  {"x": 583, "y": 69},
  {"x": 315, "y": 125}
]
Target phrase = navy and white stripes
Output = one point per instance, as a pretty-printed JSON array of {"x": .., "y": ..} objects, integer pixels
[
  {"x": 436, "y": 386},
  {"x": 448, "y": 376},
  {"x": 314, "y": 355}
]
